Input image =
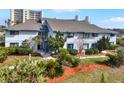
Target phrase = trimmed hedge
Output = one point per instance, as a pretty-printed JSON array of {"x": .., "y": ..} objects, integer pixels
[
  {"x": 35, "y": 54},
  {"x": 11, "y": 50},
  {"x": 89, "y": 51},
  {"x": 96, "y": 51},
  {"x": 5, "y": 51},
  {"x": 92, "y": 51},
  {"x": 72, "y": 51},
  {"x": 24, "y": 51}
]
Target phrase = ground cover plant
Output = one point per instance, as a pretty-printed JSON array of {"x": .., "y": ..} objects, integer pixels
[{"x": 30, "y": 71}]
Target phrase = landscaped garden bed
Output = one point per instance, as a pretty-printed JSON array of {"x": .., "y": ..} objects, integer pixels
[
  {"x": 19, "y": 66},
  {"x": 68, "y": 72}
]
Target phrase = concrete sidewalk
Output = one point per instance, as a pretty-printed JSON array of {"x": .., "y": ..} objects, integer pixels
[{"x": 95, "y": 56}]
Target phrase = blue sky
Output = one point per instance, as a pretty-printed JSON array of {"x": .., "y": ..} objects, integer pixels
[{"x": 107, "y": 18}]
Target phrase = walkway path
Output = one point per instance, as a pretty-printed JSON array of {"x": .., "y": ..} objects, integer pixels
[{"x": 94, "y": 56}]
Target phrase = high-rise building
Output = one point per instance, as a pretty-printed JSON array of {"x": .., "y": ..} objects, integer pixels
[{"x": 21, "y": 15}]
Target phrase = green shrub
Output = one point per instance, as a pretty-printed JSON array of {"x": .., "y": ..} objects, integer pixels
[
  {"x": 11, "y": 50},
  {"x": 3, "y": 55},
  {"x": 71, "y": 61},
  {"x": 22, "y": 71},
  {"x": 72, "y": 51},
  {"x": 103, "y": 43},
  {"x": 53, "y": 69},
  {"x": 116, "y": 59},
  {"x": 113, "y": 47},
  {"x": 35, "y": 54},
  {"x": 111, "y": 62},
  {"x": 66, "y": 59},
  {"x": 24, "y": 51},
  {"x": 25, "y": 44},
  {"x": 62, "y": 55},
  {"x": 96, "y": 51},
  {"x": 90, "y": 51}
]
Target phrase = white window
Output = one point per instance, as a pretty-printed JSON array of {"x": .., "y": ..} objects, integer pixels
[
  {"x": 86, "y": 35},
  {"x": 14, "y": 44},
  {"x": 85, "y": 46},
  {"x": 70, "y": 46}
]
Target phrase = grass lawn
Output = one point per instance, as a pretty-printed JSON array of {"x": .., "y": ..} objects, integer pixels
[
  {"x": 93, "y": 60},
  {"x": 111, "y": 75},
  {"x": 99, "y": 76}
]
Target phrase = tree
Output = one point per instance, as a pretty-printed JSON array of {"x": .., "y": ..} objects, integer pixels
[
  {"x": 25, "y": 44},
  {"x": 120, "y": 41},
  {"x": 2, "y": 36},
  {"x": 103, "y": 43},
  {"x": 80, "y": 42},
  {"x": 54, "y": 43},
  {"x": 32, "y": 41},
  {"x": 38, "y": 39},
  {"x": 116, "y": 59},
  {"x": 7, "y": 22}
]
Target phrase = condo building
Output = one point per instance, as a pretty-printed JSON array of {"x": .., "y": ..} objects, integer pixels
[
  {"x": 78, "y": 33},
  {"x": 21, "y": 15}
]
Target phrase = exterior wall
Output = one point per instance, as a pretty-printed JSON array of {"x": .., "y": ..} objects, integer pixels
[
  {"x": 36, "y": 15},
  {"x": 51, "y": 33},
  {"x": 78, "y": 40},
  {"x": 12, "y": 17},
  {"x": 25, "y": 15},
  {"x": 18, "y": 38}
]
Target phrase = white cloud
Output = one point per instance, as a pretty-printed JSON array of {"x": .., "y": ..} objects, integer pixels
[
  {"x": 115, "y": 19},
  {"x": 66, "y": 10}
]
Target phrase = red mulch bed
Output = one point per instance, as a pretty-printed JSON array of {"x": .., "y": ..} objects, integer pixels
[{"x": 71, "y": 71}]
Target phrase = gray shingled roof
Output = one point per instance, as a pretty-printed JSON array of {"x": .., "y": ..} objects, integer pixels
[
  {"x": 29, "y": 25},
  {"x": 75, "y": 26}
]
